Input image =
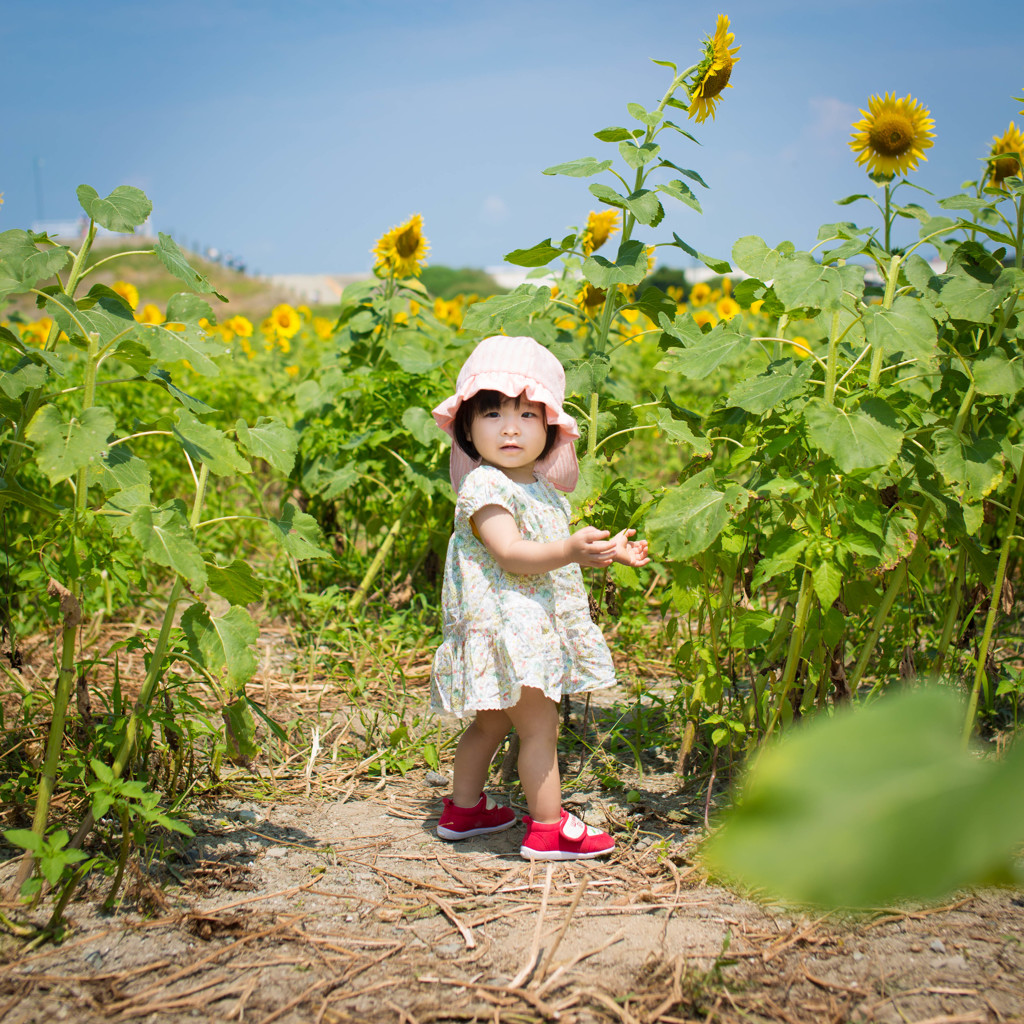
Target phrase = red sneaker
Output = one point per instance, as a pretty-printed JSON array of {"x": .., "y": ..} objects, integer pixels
[
  {"x": 567, "y": 839},
  {"x": 485, "y": 816}
]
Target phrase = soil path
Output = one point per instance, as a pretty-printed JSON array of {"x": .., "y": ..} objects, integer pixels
[{"x": 352, "y": 910}]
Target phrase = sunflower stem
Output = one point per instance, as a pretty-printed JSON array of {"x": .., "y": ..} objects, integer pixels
[{"x": 891, "y": 279}]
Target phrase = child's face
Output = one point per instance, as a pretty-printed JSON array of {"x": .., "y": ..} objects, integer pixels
[{"x": 511, "y": 438}]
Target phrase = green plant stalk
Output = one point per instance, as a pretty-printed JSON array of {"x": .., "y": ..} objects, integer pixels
[
  {"x": 890, "y": 291},
  {"x": 899, "y": 578},
  {"x": 153, "y": 676},
  {"x": 993, "y": 608},
  {"x": 831, "y": 365},
  {"x": 378, "y": 560},
  {"x": 592, "y": 418},
  {"x": 796, "y": 642},
  {"x": 952, "y": 611},
  {"x": 122, "y": 859}
]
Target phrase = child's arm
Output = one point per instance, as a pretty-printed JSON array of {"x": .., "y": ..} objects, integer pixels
[
  {"x": 630, "y": 552},
  {"x": 500, "y": 535}
]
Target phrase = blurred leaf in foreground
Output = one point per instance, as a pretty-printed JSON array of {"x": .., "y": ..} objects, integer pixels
[{"x": 873, "y": 806}]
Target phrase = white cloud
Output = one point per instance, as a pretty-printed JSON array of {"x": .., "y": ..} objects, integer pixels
[{"x": 494, "y": 210}]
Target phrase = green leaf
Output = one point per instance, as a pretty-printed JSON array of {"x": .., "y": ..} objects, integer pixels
[
  {"x": 644, "y": 116},
  {"x": 585, "y": 376},
  {"x": 123, "y": 472},
  {"x": 123, "y": 210},
  {"x": 25, "y": 375},
  {"x": 713, "y": 349},
  {"x": 753, "y": 256},
  {"x": 300, "y": 534},
  {"x": 679, "y": 432},
  {"x": 995, "y": 374},
  {"x": 270, "y": 440},
  {"x": 236, "y": 582},
  {"x": 751, "y": 629},
  {"x": 617, "y": 134},
  {"x": 585, "y": 167},
  {"x": 65, "y": 446},
  {"x": 637, "y": 156},
  {"x": 539, "y": 255},
  {"x": 717, "y": 265},
  {"x": 964, "y": 293},
  {"x": 972, "y": 467},
  {"x": 169, "y": 346},
  {"x": 862, "y": 439},
  {"x": 691, "y": 516},
  {"x": 174, "y": 260},
  {"x": 25, "y": 838},
  {"x": 653, "y": 301},
  {"x": 646, "y": 207},
  {"x": 607, "y": 195},
  {"x": 407, "y": 349},
  {"x": 906, "y": 329},
  {"x": 421, "y": 425},
  {"x": 630, "y": 267},
  {"x": 240, "y": 732},
  {"x": 166, "y": 539},
  {"x": 23, "y": 265},
  {"x": 102, "y": 312},
  {"x": 801, "y": 282},
  {"x": 826, "y": 578},
  {"x": 186, "y": 308},
  {"x": 680, "y": 190},
  {"x": 224, "y": 645},
  {"x": 874, "y": 806},
  {"x": 208, "y": 445},
  {"x": 783, "y": 551},
  {"x": 780, "y": 382},
  {"x": 489, "y": 315}
]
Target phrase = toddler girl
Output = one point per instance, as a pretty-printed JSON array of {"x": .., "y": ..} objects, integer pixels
[{"x": 517, "y": 627}]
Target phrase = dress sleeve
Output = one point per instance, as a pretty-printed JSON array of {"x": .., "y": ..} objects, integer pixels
[{"x": 485, "y": 486}]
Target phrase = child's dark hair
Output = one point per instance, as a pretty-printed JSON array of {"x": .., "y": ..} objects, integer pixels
[{"x": 485, "y": 401}]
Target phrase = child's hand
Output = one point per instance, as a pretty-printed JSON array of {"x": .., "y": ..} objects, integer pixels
[
  {"x": 630, "y": 552},
  {"x": 591, "y": 547}
]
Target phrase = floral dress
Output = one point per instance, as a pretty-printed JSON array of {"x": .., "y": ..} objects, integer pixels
[{"x": 503, "y": 631}]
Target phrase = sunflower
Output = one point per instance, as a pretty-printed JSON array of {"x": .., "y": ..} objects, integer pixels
[
  {"x": 127, "y": 291},
  {"x": 600, "y": 227},
  {"x": 149, "y": 314},
  {"x": 713, "y": 73},
  {"x": 700, "y": 293},
  {"x": 401, "y": 250},
  {"x": 893, "y": 136},
  {"x": 284, "y": 321},
  {"x": 704, "y": 317},
  {"x": 240, "y": 325},
  {"x": 1011, "y": 141},
  {"x": 590, "y": 299},
  {"x": 727, "y": 307}
]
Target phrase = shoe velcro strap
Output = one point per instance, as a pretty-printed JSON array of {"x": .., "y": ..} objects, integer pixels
[{"x": 573, "y": 828}]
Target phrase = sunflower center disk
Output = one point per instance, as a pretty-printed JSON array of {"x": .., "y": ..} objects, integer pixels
[
  {"x": 716, "y": 82},
  {"x": 407, "y": 243},
  {"x": 892, "y": 136}
]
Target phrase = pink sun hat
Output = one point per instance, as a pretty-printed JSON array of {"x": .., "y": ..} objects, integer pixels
[{"x": 514, "y": 366}]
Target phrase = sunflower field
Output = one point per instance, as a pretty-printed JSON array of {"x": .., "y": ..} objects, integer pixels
[{"x": 823, "y": 448}]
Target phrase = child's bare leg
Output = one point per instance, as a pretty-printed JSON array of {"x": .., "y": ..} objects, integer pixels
[
  {"x": 474, "y": 753},
  {"x": 536, "y": 720}
]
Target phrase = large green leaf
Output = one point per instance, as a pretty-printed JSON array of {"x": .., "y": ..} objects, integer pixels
[
  {"x": 973, "y": 467},
  {"x": 691, "y": 516},
  {"x": 584, "y": 167},
  {"x": 124, "y": 472},
  {"x": 123, "y": 210},
  {"x": 235, "y": 582},
  {"x": 630, "y": 266},
  {"x": 208, "y": 445},
  {"x": 863, "y": 439},
  {"x": 646, "y": 207},
  {"x": 25, "y": 375},
  {"x": 240, "y": 731},
  {"x": 65, "y": 446},
  {"x": 963, "y": 293},
  {"x": 705, "y": 356},
  {"x": 875, "y": 805},
  {"x": 166, "y": 539},
  {"x": 802, "y": 282},
  {"x": 996, "y": 374},
  {"x": 719, "y": 266},
  {"x": 300, "y": 534},
  {"x": 23, "y": 265},
  {"x": 680, "y": 190},
  {"x": 637, "y": 156},
  {"x": 905, "y": 329},
  {"x": 422, "y": 426},
  {"x": 169, "y": 346},
  {"x": 102, "y": 312},
  {"x": 539, "y": 255},
  {"x": 271, "y": 440},
  {"x": 754, "y": 257},
  {"x": 222, "y": 645},
  {"x": 679, "y": 432},
  {"x": 780, "y": 382},
  {"x": 489, "y": 315},
  {"x": 174, "y": 260}
]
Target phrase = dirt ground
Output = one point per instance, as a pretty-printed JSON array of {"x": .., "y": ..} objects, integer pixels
[
  {"x": 339, "y": 903},
  {"x": 353, "y": 910}
]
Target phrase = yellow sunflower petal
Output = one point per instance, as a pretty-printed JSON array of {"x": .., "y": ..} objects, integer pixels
[
  {"x": 893, "y": 136},
  {"x": 400, "y": 251},
  {"x": 713, "y": 73},
  {"x": 1010, "y": 142}
]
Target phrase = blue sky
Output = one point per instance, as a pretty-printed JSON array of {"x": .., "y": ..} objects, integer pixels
[{"x": 294, "y": 133}]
